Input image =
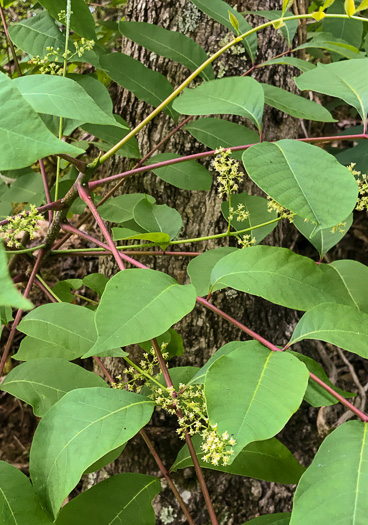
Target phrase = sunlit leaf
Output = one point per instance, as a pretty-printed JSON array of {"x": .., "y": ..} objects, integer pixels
[{"x": 9, "y": 295}]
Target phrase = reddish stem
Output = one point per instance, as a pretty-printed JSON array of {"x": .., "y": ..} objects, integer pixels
[
  {"x": 131, "y": 252},
  {"x": 45, "y": 291},
  {"x": 19, "y": 312},
  {"x": 210, "y": 153},
  {"x": 86, "y": 197}
]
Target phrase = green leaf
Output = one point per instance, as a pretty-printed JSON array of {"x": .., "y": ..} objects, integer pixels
[
  {"x": 199, "y": 378},
  {"x": 216, "y": 133},
  {"x": 112, "y": 135},
  {"x": 219, "y": 11},
  {"x": 294, "y": 105},
  {"x": 340, "y": 325},
  {"x": 257, "y": 207},
  {"x": 290, "y": 172},
  {"x": 189, "y": 175},
  {"x": 96, "y": 281},
  {"x": 280, "y": 276},
  {"x": 157, "y": 218},
  {"x": 146, "y": 84},
  {"x": 121, "y": 234},
  {"x": 347, "y": 80},
  {"x": 268, "y": 460},
  {"x": 120, "y": 208},
  {"x": 24, "y": 137},
  {"x": 9, "y": 295},
  {"x": 153, "y": 301},
  {"x": 315, "y": 395},
  {"x": 323, "y": 240},
  {"x": 28, "y": 187},
  {"x": 260, "y": 406},
  {"x": 170, "y": 44},
  {"x": 333, "y": 489},
  {"x": 199, "y": 269},
  {"x": 63, "y": 289},
  {"x": 82, "y": 427},
  {"x": 362, "y": 6},
  {"x": 33, "y": 35},
  {"x": 282, "y": 518},
  {"x": 81, "y": 20},
  {"x": 354, "y": 276},
  {"x": 125, "y": 498},
  {"x": 32, "y": 348},
  {"x": 303, "y": 65},
  {"x": 42, "y": 382},
  {"x": 105, "y": 460},
  {"x": 241, "y": 96},
  {"x": 331, "y": 44},
  {"x": 63, "y": 97},
  {"x": 349, "y": 30},
  {"x": 67, "y": 325},
  {"x": 18, "y": 502}
]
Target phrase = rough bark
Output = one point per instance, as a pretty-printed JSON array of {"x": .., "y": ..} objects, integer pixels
[{"x": 235, "y": 499}]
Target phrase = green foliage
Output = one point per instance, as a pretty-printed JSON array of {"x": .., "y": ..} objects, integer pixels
[{"x": 244, "y": 395}]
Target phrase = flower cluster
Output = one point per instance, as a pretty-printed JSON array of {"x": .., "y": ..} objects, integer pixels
[
  {"x": 280, "y": 210},
  {"x": 362, "y": 181},
  {"x": 21, "y": 223},
  {"x": 51, "y": 62},
  {"x": 148, "y": 366},
  {"x": 215, "y": 447},
  {"x": 240, "y": 213},
  {"x": 228, "y": 172},
  {"x": 190, "y": 403},
  {"x": 246, "y": 241},
  {"x": 339, "y": 227}
]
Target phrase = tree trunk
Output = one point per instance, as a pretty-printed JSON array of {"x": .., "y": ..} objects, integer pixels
[{"x": 236, "y": 499}]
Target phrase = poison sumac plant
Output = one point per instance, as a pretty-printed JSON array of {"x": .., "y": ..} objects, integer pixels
[{"x": 230, "y": 410}]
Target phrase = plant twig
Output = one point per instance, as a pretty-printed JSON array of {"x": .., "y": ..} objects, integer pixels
[{"x": 16, "y": 63}]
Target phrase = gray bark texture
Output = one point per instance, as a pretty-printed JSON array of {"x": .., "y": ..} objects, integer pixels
[{"x": 236, "y": 499}]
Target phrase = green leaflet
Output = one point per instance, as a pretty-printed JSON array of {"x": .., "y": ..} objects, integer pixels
[
  {"x": 241, "y": 96},
  {"x": 199, "y": 269},
  {"x": 153, "y": 302},
  {"x": 105, "y": 460},
  {"x": 282, "y": 518},
  {"x": 82, "y": 427},
  {"x": 33, "y": 35},
  {"x": 170, "y": 44},
  {"x": 216, "y": 133},
  {"x": 125, "y": 498},
  {"x": 120, "y": 208},
  {"x": 354, "y": 276},
  {"x": 334, "y": 486},
  {"x": 303, "y": 65},
  {"x": 189, "y": 175},
  {"x": 220, "y": 10},
  {"x": 66, "y": 325},
  {"x": 334, "y": 45},
  {"x": 63, "y": 97},
  {"x": 295, "y": 105},
  {"x": 27, "y": 187},
  {"x": 9, "y": 295},
  {"x": 349, "y": 30},
  {"x": 340, "y": 325},
  {"x": 325, "y": 239},
  {"x": 280, "y": 276},
  {"x": 24, "y": 137},
  {"x": 18, "y": 502},
  {"x": 290, "y": 172},
  {"x": 347, "y": 80},
  {"x": 275, "y": 386},
  {"x": 157, "y": 218},
  {"x": 112, "y": 134},
  {"x": 42, "y": 382},
  {"x": 146, "y": 84},
  {"x": 268, "y": 460}
]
